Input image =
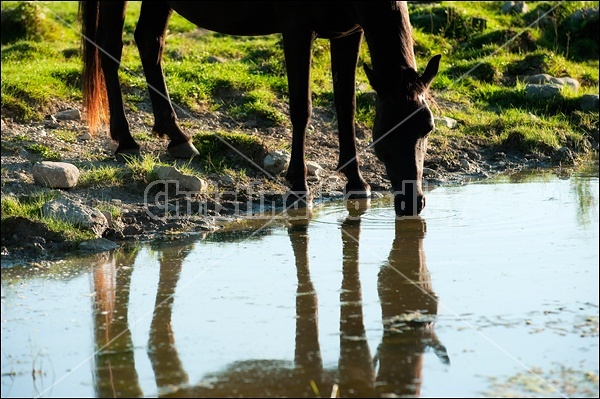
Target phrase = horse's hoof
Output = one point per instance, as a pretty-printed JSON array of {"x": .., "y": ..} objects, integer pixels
[
  {"x": 357, "y": 193},
  {"x": 184, "y": 150},
  {"x": 297, "y": 199},
  {"x": 127, "y": 155}
]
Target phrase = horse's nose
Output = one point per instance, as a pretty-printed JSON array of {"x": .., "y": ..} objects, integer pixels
[{"x": 406, "y": 205}]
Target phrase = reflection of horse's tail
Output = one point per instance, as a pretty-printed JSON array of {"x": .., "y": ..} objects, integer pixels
[{"x": 94, "y": 86}]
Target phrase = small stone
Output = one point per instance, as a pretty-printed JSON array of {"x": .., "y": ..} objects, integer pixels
[
  {"x": 314, "y": 169},
  {"x": 186, "y": 182},
  {"x": 85, "y": 136},
  {"x": 215, "y": 60},
  {"x": 465, "y": 164},
  {"x": 98, "y": 245},
  {"x": 68, "y": 115},
  {"x": 517, "y": 7},
  {"x": 276, "y": 162},
  {"x": 446, "y": 122},
  {"x": 55, "y": 174},
  {"x": 544, "y": 78}
]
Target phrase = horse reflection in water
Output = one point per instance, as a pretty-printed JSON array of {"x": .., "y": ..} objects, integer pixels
[
  {"x": 115, "y": 373},
  {"x": 408, "y": 305}
]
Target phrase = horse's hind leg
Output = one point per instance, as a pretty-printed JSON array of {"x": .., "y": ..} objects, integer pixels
[
  {"x": 110, "y": 40},
  {"x": 344, "y": 58},
  {"x": 150, "y": 39}
]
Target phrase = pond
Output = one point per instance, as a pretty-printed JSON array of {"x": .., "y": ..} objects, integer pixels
[{"x": 492, "y": 292}]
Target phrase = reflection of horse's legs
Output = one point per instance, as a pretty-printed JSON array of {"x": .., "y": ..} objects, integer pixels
[
  {"x": 297, "y": 49},
  {"x": 307, "y": 358},
  {"x": 168, "y": 369},
  {"x": 115, "y": 371},
  {"x": 344, "y": 58},
  {"x": 355, "y": 364},
  {"x": 110, "y": 40},
  {"x": 150, "y": 39}
]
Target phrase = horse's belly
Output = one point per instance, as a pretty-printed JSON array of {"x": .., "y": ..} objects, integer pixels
[{"x": 244, "y": 18}]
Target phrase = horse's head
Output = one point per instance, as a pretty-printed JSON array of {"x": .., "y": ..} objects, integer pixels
[{"x": 402, "y": 122}]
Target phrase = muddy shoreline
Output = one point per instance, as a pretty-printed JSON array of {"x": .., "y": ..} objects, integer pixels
[{"x": 141, "y": 220}]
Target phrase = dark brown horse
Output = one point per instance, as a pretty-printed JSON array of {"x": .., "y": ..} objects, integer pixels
[{"x": 402, "y": 120}]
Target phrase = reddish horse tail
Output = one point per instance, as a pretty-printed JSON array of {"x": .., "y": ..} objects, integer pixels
[{"x": 94, "y": 87}]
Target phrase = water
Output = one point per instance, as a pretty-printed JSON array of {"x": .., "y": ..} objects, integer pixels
[{"x": 493, "y": 292}]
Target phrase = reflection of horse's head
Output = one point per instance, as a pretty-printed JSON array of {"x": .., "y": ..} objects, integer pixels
[{"x": 408, "y": 306}]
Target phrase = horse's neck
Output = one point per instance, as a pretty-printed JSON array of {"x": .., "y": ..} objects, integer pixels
[{"x": 389, "y": 36}]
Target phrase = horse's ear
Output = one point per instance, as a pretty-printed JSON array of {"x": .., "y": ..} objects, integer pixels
[
  {"x": 371, "y": 76},
  {"x": 431, "y": 70}
]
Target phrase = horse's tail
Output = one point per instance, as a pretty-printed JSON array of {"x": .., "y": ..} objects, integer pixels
[{"x": 94, "y": 86}]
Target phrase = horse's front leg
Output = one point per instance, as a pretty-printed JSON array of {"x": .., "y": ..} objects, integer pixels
[
  {"x": 344, "y": 59},
  {"x": 150, "y": 38},
  {"x": 297, "y": 49},
  {"x": 110, "y": 40}
]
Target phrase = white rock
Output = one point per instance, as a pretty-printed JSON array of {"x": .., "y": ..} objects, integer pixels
[
  {"x": 186, "y": 182},
  {"x": 77, "y": 213},
  {"x": 68, "y": 115},
  {"x": 446, "y": 121},
  {"x": 55, "y": 174},
  {"x": 314, "y": 169},
  {"x": 544, "y": 78},
  {"x": 276, "y": 162},
  {"x": 518, "y": 7}
]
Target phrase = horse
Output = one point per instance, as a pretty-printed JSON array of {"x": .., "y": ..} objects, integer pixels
[{"x": 402, "y": 120}]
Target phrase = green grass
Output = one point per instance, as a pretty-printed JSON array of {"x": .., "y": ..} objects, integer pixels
[
  {"x": 251, "y": 85},
  {"x": 44, "y": 151},
  {"x": 217, "y": 152},
  {"x": 105, "y": 175}
]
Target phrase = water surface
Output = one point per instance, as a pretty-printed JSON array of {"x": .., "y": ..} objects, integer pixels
[{"x": 492, "y": 292}]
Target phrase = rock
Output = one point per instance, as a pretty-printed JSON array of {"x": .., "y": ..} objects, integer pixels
[
  {"x": 77, "y": 213},
  {"x": 544, "y": 78},
  {"x": 276, "y": 162},
  {"x": 589, "y": 102},
  {"x": 55, "y": 174},
  {"x": 314, "y": 169},
  {"x": 86, "y": 136},
  {"x": 465, "y": 164},
  {"x": 542, "y": 92},
  {"x": 68, "y": 115},
  {"x": 98, "y": 245},
  {"x": 186, "y": 182},
  {"x": 215, "y": 60},
  {"x": 517, "y": 7},
  {"x": 446, "y": 122}
]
